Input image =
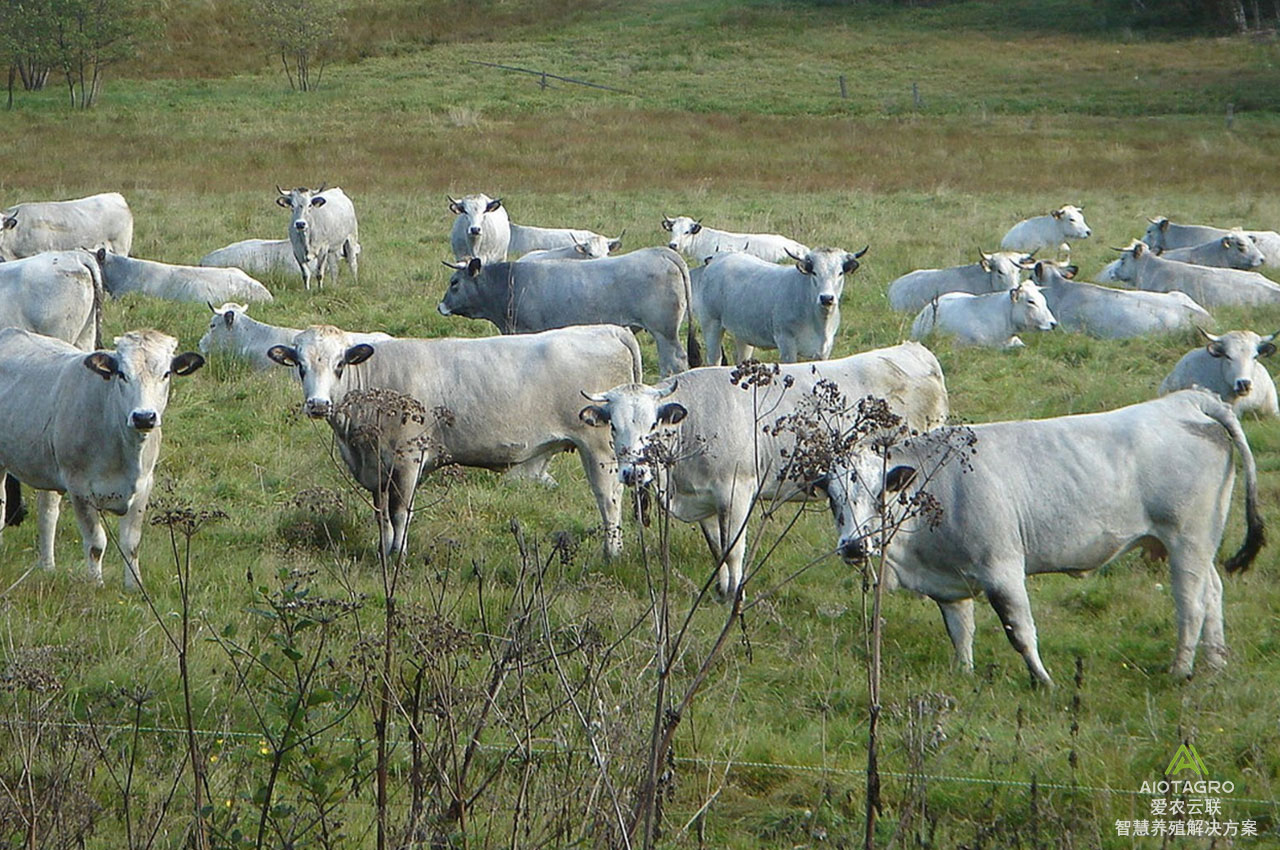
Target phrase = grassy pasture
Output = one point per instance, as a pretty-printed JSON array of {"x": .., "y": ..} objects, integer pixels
[{"x": 713, "y": 135}]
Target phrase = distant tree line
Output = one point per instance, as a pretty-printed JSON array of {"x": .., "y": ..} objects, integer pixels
[{"x": 1185, "y": 16}]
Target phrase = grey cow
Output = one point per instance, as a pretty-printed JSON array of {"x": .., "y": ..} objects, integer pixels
[
  {"x": 322, "y": 228},
  {"x": 646, "y": 289},
  {"x": 1164, "y": 235},
  {"x": 195, "y": 284},
  {"x": 256, "y": 256},
  {"x": 996, "y": 272},
  {"x": 793, "y": 308},
  {"x": 1141, "y": 268},
  {"x": 1233, "y": 251},
  {"x": 233, "y": 331},
  {"x": 1229, "y": 366},
  {"x": 480, "y": 228},
  {"x": 55, "y": 293},
  {"x": 511, "y": 404},
  {"x": 1107, "y": 313},
  {"x": 725, "y": 458},
  {"x": 993, "y": 319},
  {"x": 98, "y": 221},
  {"x": 1057, "y": 495}
]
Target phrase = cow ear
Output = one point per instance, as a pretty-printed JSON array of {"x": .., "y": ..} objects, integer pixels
[
  {"x": 850, "y": 264},
  {"x": 1139, "y": 249},
  {"x": 473, "y": 267},
  {"x": 1266, "y": 349},
  {"x": 1069, "y": 272},
  {"x": 319, "y": 201},
  {"x": 358, "y": 354},
  {"x": 229, "y": 317},
  {"x": 1038, "y": 270},
  {"x": 615, "y": 244},
  {"x": 1226, "y": 242},
  {"x": 10, "y": 222},
  {"x": 1015, "y": 294},
  {"x": 667, "y": 224},
  {"x": 672, "y": 412},
  {"x": 454, "y": 208},
  {"x": 283, "y": 200},
  {"x": 185, "y": 364},
  {"x": 1056, "y": 213},
  {"x": 899, "y": 478},
  {"x": 697, "y": 227},
  {"x": 493, "y": 205},
  {"x": 1164, "y": 224},
  {"x": 285, "y": 355},
  {"x": 101, "y": 255},
  {"x": 580, "y": 248},
  {"x": 1215, "y": 349},
  {"x": 594, "y": 415},
  {"x": 103, "y": 364}
]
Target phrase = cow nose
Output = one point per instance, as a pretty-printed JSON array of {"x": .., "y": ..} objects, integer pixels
[
  {"x": 1088, "y": 232},
  {"x": 671, "y": 245},
  {"x": 144, "y": 420},
  {"x": 474, "y": 231},
  {"x": 317, "y": 408},
  {"x": 299, "y": 225},
  {"x": 1244, "y": 386},
  {"x": 1052, "y": 325},
  {"x": 853, "y": 549},
  {"x": 827, "y": 300}
]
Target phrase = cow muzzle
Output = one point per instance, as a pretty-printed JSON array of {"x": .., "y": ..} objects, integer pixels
[
  {"x": 300, "y": 225},
  {"x": 853, "y": 550},
  {"x": 672, "y": 246},
  {"x": 634, "y": 476},
  {"x": 827, "y": 301},
  {"x": 473, "y": 232},
  {"x": 144, "y": 420},
  {"x": 1244, "y": 386},
  {"x": 317, "y": 408}
]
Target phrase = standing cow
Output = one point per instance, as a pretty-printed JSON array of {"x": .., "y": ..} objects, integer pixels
[
  {"x": 511, "y": 402},
  {"x": 87, "y": 425},
  {"x": 646, "y": 289},
  {"x": 1056, "y": 495},
  {"x": 795, "y": 309},
  {"x": 480, "y": 228},
  {"x": 98, "y": 221},
  {"x": 1052, "y": 230},
  {"x": 1229, "y": 366},
  {"x": 322, "y": 229},
  {"x": 697, "y": 242}
]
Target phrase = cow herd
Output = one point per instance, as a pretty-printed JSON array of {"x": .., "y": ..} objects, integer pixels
[{"x": 567, "y": 370}]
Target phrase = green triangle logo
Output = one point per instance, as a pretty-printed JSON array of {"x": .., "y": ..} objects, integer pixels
[{"x": 1186, "y": 758}]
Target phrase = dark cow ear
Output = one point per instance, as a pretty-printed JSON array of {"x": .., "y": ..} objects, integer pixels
[
  {"x": 283, "y": 200},
  {"x": 594, "y": 415},
  {"x": 1069, "y": 272},
  {"x": 285, "y": 355},
  {"x": 899, "y": 478},
  {"x": 1164, "y": 224},
  {"x": 357, "y": 354},
  {"x": 185, "y": 364},
  {"x": 10, "y": 222},
  {"x": 1215, "y": 349},
  {"x": 667, "y": 223},
  {"x": 672, "y": 412},
  {"x": 1038, "y": 270},
  {"x": 1056, "y": 213},
  {"x": 473, "y": 266},
  {"x": 319, "y": 201},
  {"x": 697, "y": 226},
  {"x": 101, "y": 255},
  {"x": 454, "y": 207},
  {"x": 103, "y": 364},
  {"x": 493, "y": 205},
  {"x": 615, "y": 244},
  {"x": 851, "y": 262},
  {"x": 1266, "y": 349}
]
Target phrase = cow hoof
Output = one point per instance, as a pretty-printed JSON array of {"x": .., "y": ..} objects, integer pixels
[{"x": 1215, "y": 657}]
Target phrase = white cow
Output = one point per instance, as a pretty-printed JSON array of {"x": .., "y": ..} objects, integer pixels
[
  {"x": 233, "y": 331},
  {"x": 1164, "y": 235},
  {"x": 795, "y": 309},
  {"x": 322, "y": 228},
  {"x": 725, "y": 454},
  {"x": 595, "y": 248},
  {"x": 698, "y": 242},
  {"x": 87, "y": 425},
  {"x": 1142, "y": 269},
  {"x": 1056, "y": 495},
  {"x": 256, "y": 256},
  {"x": 1107, "y": 313},
  {"x": 997, "y": 272},
  {"x": 1233, "y": 251},
  {"x": 55, "y": 293},
  {"x": 1052, "y": 230},
  {"x": 512, "y": 404},
  {"x": 98, "y": 221},
  {"x": 526, "y": 238},
  {"x": 480, "y": 228},
  {"x": 1229, "y": 366},
  {"x": 991, "y": 320},
  {"x": 196, "y": 284}
]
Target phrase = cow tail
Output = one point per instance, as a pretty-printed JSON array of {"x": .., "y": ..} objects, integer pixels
[
  {"x": 692, "y": 350},
  {"x": 99, "y": 296},
  {"x": 1255, "y": 533}
]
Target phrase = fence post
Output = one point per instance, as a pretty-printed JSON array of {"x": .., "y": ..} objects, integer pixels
[
  {"x": 844, "y": 91},
  {"x": 542, "y": 81},
  {"x": 915, "y": 95},
  {"x": 1231, "y": 115}
]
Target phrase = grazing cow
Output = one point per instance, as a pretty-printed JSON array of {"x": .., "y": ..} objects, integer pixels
[
  {"x": 1233, "y": 251},
  {"x": 1164, "y": 235},
  {"x": 595, "y": 248},
  {"x": 256, "y": 256},
  {"x": 1229, "y": 366},
  {"x": 322, "y": 228},
  {"x": 98, "y": 221},
  {"x": 196, "y": 284},
  {"x": 1047, "y": 231},
  {"x": 1056, "y": 495},
  {"x": 1142, "y": 269},
  {"x": 646, "y": 289},
  {"x": 724, "y": 453},
  {"x": 998, "y": 272},
  {"x": 480, "y": 228},
  {"x": 510, "y": 402},
  {"x": 993, "y": 319},
  {"x": 1107, "y": 313},
  {"x": 232, "y": 331},
  {"x": 87, "y": 425},
  {"x": 698, "y": 242},
  {"x": 795, "y": 309}
]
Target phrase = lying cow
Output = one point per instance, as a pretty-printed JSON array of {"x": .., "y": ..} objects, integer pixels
[
  {"x": 98, "y": 221},
  {"x": 1107, "y": 313},
  {"x": 511, "y": 402},
  {"x": 256, "y": 256},
  {"x": 795, "y": 309},
  {"x": 1229, "y": 366},
  {"x": 697, "y": 242},
  {"x": 646, "y": 289},
  {"x": 725, "y": 455},
  {"x": 322, "y": 228},
  {"x": 87, "y": 425},
  {"x": 998, "y": 272},
  {"x": 232, "y": 331},
  {"x": 1142, "y": 269},
  {"x": 595, "y": 248},
  {"x": 1053, "y": 230},
  {"x": 1233, "y": 251},
  {"x": 1163, "y": 235},
  {"x": 1057, "y": 495},
  {"x": 196, "y": 284},
  {"x": 991, "y": 320}
]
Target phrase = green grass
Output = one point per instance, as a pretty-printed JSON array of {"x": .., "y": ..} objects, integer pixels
[{"x": 735, "y": 118}]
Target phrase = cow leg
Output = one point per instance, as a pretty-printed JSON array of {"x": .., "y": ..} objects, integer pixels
[
  {"x": 958, "y": 617},
  {"x": 1013, "y": 606},
  {"x": 93, "y": 535},
  {"x": 48, "y": 506},
  {"x": 403, "y": 482},
  {"x": 720, "y": 533},
  {"x": 13, "y": 510},
  {"x": 351, "y": 250},
  {"x": 742, "y": 352},
  {"x": 713, "y": 340},
  {"x": 386, "y": 533},
  {"x": 1213, "y": 635},
  {"x": 602, "y": 474},
  {"x": 788, "y": 351},
  {"x": 671, "y": 356},
  {"x": 131, "y": 536},
  {"x": 1189, "y": 578},
  {"x": 306, "y": 273}
]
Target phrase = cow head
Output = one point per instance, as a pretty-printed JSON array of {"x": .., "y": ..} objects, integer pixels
[
  {"x": 462, "y": 297},
  {"x": 1028, "y": 310},
  {"x": 7, "y": 225},
  {"x": 1236, "y": 353},
  {"x": 321, "y": 353},
  {"x": 1003, "y": 267},
  {"x": 1129, "y": 258},
  {"x": 682, "y": 230},
  {"x": 221, "y": 324},
  {"x": 636, "y": 416},
  {"x": 596, "y": 247},
  {"x": 1156, "y": 230},
  {"x": 1071, "y": 222},
  {"x": 139, "y": 371},
  {"x": 302, "y": 202},
  {"x": 472, "y": 210},
  {"x": 1048, "y": 273},
  {"x": 1242, "y": 252},
  {"x": 825, "y": 270},
  {"x": 861, "y": 493}
]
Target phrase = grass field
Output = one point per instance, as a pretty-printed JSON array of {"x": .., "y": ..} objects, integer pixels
[{"x": 733, "y": 115}]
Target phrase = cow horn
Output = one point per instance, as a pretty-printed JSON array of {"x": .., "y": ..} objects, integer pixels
[
  {"x": 282, "y": 191},
  {"x": 597, "y": 399},
  {"x": 865, "y": 249},
  {"x": 1271, "y": 338},
  {"x": 1204, "y": 333},
  {"x": 457, "y": 267},
  {"x": 452, "y": 200},
  {"x": 663, "y": 393},
  {"x": 322, "y": 187},
  {"x": 793, "y": 256},
  {"x": 209, "y": 304}
]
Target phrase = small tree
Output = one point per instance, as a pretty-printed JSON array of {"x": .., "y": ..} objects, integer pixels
[
  {"x": 89, "y": 35},
  {"x": 303, "y": 31},
  {"x": 26, "y": 42}
]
